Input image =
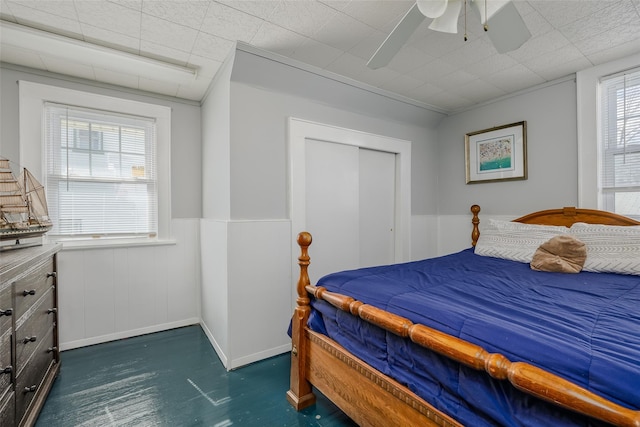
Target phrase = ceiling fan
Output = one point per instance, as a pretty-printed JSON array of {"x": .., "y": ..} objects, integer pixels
[{"x": 504, "y": 25}]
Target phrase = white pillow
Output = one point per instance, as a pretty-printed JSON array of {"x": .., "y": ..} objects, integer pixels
[
  {"x": 610, "y": 248},
  {"x": 513, "y": 240}
]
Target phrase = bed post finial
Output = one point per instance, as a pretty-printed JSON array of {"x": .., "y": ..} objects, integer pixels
[
  {"x": 300, "y": 394},
  {"x": 475, "y": 234},
  {"x": 304, "y": 241}
]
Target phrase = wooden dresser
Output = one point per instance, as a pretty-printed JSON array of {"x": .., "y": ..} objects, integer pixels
[{"x": 29, "y": 356}]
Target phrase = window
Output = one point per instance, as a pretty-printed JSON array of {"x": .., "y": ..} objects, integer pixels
[
  {"x": 100, "y": 173},
  {"x": 105, "y": 163},
  {"x": 619, "y": 144}
]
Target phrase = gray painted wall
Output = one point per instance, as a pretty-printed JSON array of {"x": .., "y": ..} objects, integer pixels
[
  {"x": 552, "y": 147},
  {"x": 261, "y": 101},
  {"x": 186, "y": 176}
]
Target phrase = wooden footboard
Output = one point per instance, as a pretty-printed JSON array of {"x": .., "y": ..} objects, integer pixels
[{"x": 372, "y": 399}]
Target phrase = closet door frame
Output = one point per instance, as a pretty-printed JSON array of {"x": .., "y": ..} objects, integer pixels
[{"x": 300, "y": 130}]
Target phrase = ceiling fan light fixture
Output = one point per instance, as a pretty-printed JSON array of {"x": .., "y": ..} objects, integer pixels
[
  {"x": 448, "y": 22},
  {"x": 432, "y": 8}
]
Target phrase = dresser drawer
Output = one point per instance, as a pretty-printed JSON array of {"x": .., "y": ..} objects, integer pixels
[
  {"x": 29, "y": 381},
  {"x": 6, "y": 310},
  {"x": 7, "y": 409},
  {"x": 33, "y": 328},
  {"x": 29, "y": 289},
  {"x": 6, "y": 370}
]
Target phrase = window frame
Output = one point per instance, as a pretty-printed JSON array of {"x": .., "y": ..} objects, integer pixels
[
  {"x": 589, "y": 126},
  {"x": 31, "y": 118}
]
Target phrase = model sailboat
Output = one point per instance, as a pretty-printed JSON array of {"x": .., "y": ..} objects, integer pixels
[{"x": 23, "y": 205}]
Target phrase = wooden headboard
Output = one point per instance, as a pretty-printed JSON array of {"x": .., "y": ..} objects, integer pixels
[{"x": 565, "y": 216}]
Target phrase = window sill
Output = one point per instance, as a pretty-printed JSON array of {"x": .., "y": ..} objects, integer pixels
[{"x": 72, "y": 245}]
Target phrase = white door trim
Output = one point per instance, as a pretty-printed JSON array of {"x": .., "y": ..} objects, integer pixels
[{"x": 300, "y": 130}]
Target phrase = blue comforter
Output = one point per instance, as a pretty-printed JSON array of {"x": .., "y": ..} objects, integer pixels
[{"x": 583, "y": 327}]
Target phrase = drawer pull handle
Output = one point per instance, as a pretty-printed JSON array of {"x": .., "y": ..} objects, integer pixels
[
  {"x": 52, "y": 349},
  {"x": 31, "y": 292},
  {"x": 52, "y": 274},
  {"x": 7, "y": 312},
  {"x": 7, "y": 370},
  {"x": 52, "y": 310},
  {"x": 29, "y": 339},
  {"x": 30, "y": 389}
]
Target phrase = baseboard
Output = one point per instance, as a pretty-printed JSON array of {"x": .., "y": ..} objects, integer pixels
[
  {"x": 127, "y": 334},
  {"x": 242, "y": 361},
  {"x": 214, "y": 344}
]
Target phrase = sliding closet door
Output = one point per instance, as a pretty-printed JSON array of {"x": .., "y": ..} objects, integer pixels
[
  {"x": 350, "y": 206},
  {"x": 377, "y": 207}
]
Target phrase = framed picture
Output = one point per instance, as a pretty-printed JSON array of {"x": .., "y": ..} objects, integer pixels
[{"x": 497, "y": 154}]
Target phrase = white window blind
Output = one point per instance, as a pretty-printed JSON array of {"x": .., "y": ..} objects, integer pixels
[
  {"x": 619, "y": 146},
  {"x": 100, "y": 173}
]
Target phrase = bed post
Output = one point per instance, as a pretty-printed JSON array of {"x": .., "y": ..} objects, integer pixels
[
  {"x": 475, "y": 234},
  {"x": 300, "y": 395}
]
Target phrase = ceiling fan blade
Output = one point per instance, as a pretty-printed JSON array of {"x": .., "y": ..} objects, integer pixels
[
  {"x": 448, "y": 22},
  {"x": 432, "y": 8},
  {"x": 398, "y": 37},
  {"x": 491, "y": 7},
  {"x": 507, "y": 30}
]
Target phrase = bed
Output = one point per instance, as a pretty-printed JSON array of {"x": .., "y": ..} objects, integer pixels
[{"x": 476, "y": 348}]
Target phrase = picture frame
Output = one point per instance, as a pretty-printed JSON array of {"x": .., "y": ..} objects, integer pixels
[{"x": 497, "y": 154}]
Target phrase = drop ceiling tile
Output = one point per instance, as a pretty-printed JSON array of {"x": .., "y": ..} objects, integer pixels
[
  {"x": 347, "y": 65},
  {"x": 378, "y": 77},
  {"x": 44, "y": 20},
  {"x": 514, "y": 79},
  {"x": 103, "y": 37},
  {"x": 402, "y": 85},
  {"x": 5, "y": 11},
  {"x": 447, "y": 100},
  {"x": 618, "y": 14},
  {"x": 409, "y": 59},
  {"x": 381, "y": 15},
  {"x": 110, "y": 16},
  {"x": 560, "y": 13},
  {"x": 540, "y": 45},
  {"x": 259, "y": 8},
  {"x": 165, "y": 33},
  {"x": 212, "y": 47},
  {"x": 369, "y": 45},
  {"x": 535, "y": 22},
  {"x": 453, "y": 79},
  {"x": 490, "y": 65},
  {"x": 63, "y": 8},
  {"x": 478, "y": 91},
  {"x": 131, "y": 4},
  {"x": 627, "y": 33},
  {"x": 615, "y": 52},
  {"x": 229, "y": 23},
  {"x": 188, "y": 13},
  {"x": 432, "y": 71},
  {"x": 471, "y": 52},
  {"x": 343, "y": 32},
  {"x": 302, "y": 17},
  {"x": 559, "y": 63},
  {"x": 316, "y": 53},
  {"x": 438, "y": 44},
  {"x": 277, "y": 39}
]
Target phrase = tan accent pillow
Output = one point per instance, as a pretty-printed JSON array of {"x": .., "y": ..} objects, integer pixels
[{"x": 560, "y": 254}]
